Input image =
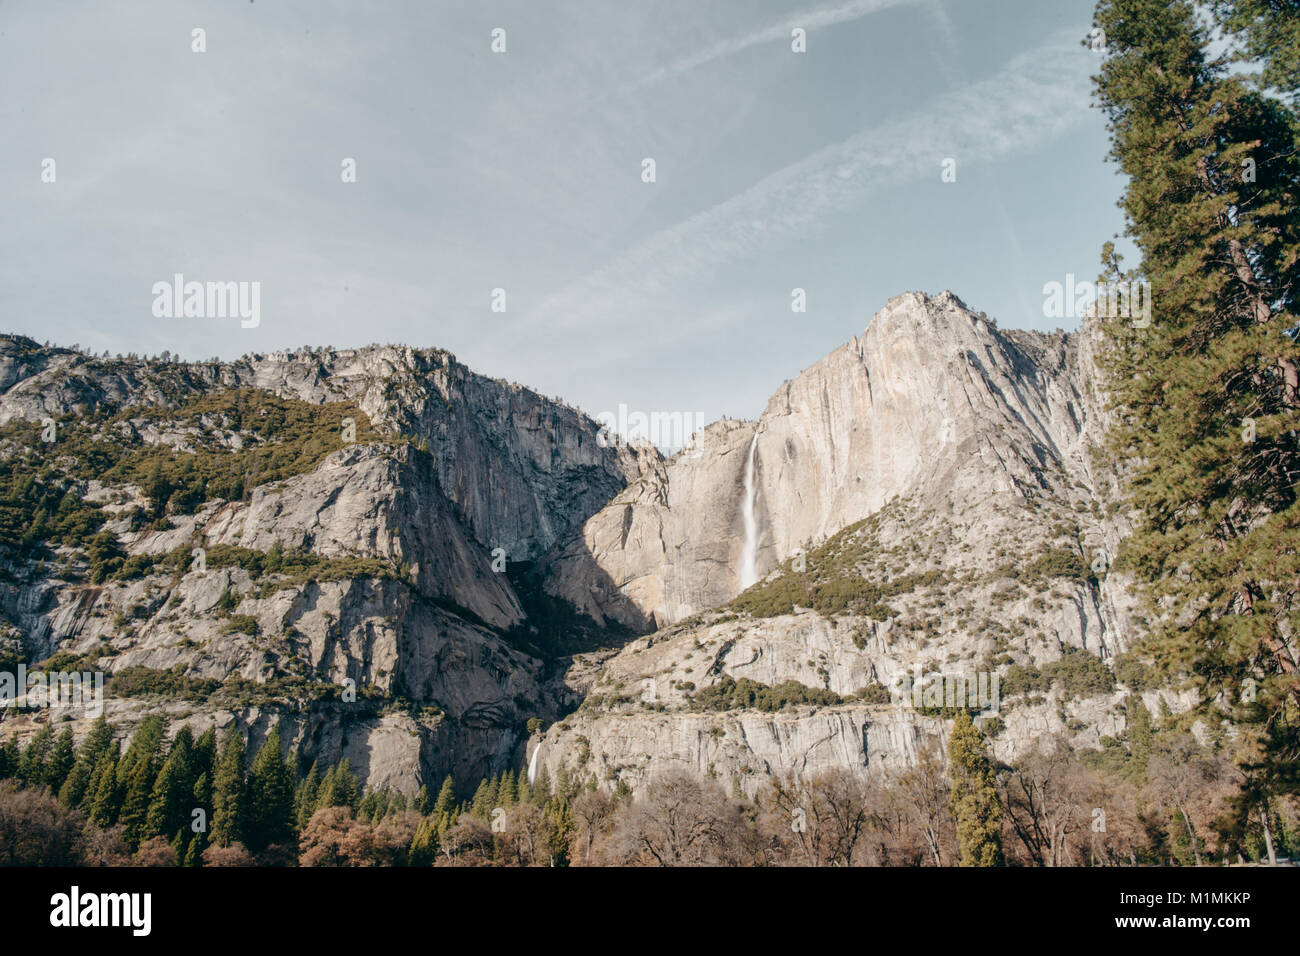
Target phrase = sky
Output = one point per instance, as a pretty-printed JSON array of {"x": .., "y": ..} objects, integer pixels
[{"x": 523, "y": 171}]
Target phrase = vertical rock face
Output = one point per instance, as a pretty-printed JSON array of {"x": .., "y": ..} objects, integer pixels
[
  {"x": 521, "y": 470},
  {"x": 669, "y": 544},
  {"x": 943, "y": 481},
  {"x": 931, "y": 403},
  {"x": 407, "y": 533},
  {"x": 948, "y": 484}
]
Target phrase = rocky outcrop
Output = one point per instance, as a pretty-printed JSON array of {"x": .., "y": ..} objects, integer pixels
[
  {"x": 520, "y": 469},
  {"x": 945, "y": 478},
  {"x": 967, "y": 464},
  {"x": 401, "y": 648},
  {"x": 932, "y": 403}
]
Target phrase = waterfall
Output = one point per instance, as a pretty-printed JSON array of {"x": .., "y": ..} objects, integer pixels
[
  {"x": 749, "y": 556},
  {"x": 532, "y": 763}
]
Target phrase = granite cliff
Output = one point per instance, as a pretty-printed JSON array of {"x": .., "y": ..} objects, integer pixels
[{"x": 404, "y": 562}]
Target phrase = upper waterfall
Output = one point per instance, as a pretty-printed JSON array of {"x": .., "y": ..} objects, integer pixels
[{"x": 749, "y": 556}]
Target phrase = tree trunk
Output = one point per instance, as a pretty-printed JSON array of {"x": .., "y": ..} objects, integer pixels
[{"x": 1268, "y": 835}]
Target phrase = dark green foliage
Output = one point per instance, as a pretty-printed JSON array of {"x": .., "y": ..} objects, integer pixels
[
  {"x": 745, "y": 694},
  {"x": 339, "y": 788},
  {"x": 1208, "y": 395},
  {"x": 62, "y": 759},
  {"x": 172, "y": 799},
  {"x": 1078, "y": 674},
  {"x": 76, "y": 789},
  {"x": 305, "y": 799},
  {"x": 103, "y": 794},
  {"x": 1269, "y": 31},
  {"x": 228, "y": 798},
  {"x": 242, "y": 624},
  {"x": 271, "y": 784},
  {"x": 175, "y": 684},
  {"x": 34, "y": 762}
]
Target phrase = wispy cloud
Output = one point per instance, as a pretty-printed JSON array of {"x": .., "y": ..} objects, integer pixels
[
  {"x": 808, "y": 19},
  {"x": 1034, "y": 99}
]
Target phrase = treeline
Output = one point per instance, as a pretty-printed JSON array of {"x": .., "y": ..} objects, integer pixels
[{"x": 1160, "y": 799}]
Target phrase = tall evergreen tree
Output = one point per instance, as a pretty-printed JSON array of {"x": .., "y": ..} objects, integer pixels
[
  {"x": 974, "y": 795},
  {"x": 146, "y": 746},
  {"x": 203, "y": 763},
  {"x": 228, "y": 790},
  {"x": 135, "y": 802},
  {"x": 446, "y": 801},
  {"x": 76, "y": 791},
  {"x": 36, "y": 755},
  {"x": 270, "y": 796},
  {"x": 339, "y": 788},
  {"x": 1269, "y": 31},
  {"x": 484, "y": 799},
  {"x": 424, "y": 844},
  {"x": 63, "y": 756},
  {"x": 172, "y": 800},
  {"x": 1208, "y": 393},
  {"x": 307, "y": 795},
  {"x": 423, "y": 802},
  {"x": 104, "y": 798}
]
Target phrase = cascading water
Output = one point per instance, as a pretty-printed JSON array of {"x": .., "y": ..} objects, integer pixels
[
  {"x": 749, "y": 556},
  {"x": 532, "y": 764}
]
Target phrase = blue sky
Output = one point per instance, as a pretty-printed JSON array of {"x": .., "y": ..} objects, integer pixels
[{"x": 522, "y": 170}]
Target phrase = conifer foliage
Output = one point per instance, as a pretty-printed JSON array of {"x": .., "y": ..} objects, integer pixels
[{"x": 1207, "y": 394}]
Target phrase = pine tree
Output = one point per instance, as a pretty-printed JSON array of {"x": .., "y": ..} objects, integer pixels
[
  {"x": 484, "y": 799},
  {"x": 203, "y": 764},
  {"x": 171, "y": 801},
  {"x": 446, "y": 801},
  {"x": 423, "y": 802},
  {"x": 974, "y": 795},
  {"x": 270, "y": 796},
  {"x": 307, "y": 795},
  {"x": 339, "y": 788},
  {"x": 228, "y": 790},
  {"x": 1269, "y": 31},
  {"x": 104, "y": 797},
  {"x": 63, "y": 756},
  {"x": 369, "y": 807},
  {"x": 146, "y": 746},
  {"x": 194, "y": 852},
  {"x": 507, "y": 792},
  {"x": 135, "y": 803},
  {"x": 76, "y": 791},
  {"x": 424, "y": 844},
  {"x": 33, "y": 764},
  {"x": 1208, "y": 393}
]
